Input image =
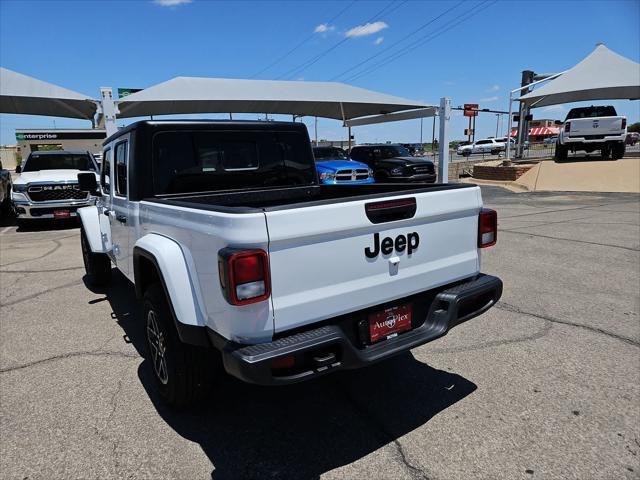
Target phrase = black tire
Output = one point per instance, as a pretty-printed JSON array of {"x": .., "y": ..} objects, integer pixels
[
  {"x": 605, "y": 152},
  {"x": 5, "y": 206},
  {"x": 97, "y": 266},
  {"x": 495, "y": 152},
  {"x": 184, "y": 374},
  {"x": 561, "y": 152},
  {"x": 466, "y": 153},
  {"x": 618, "y": 151}
]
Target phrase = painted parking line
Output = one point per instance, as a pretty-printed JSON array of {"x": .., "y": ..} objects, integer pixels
[{"x": 5, "y": 230}]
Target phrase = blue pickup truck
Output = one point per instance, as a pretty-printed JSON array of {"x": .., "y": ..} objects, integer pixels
[{"x": 335, "y": 168}]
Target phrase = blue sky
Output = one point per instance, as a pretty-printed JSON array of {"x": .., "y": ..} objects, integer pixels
[{"x": 82, "y": 45}]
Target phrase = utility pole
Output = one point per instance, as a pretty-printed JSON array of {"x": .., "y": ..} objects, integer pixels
[
  {"x": 497, "y": 123},
  {"x": 421, "y": 118},
  {"x": 316, "y": 129}
]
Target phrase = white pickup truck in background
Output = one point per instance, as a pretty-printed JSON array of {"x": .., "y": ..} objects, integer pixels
[
  {"x": 592, "y": 128},
  {"x": 247, "y": 264},
  {"x": 47, "y": 185}
]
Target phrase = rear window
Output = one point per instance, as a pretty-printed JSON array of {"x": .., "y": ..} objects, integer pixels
[
  {"x": 591, "y": 112},
  {"x": 199, "y": 161},
  {"x": 58, "y": 161}
]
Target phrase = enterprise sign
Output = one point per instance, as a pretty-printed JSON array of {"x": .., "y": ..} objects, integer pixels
[{"x": 21, "y": 136}]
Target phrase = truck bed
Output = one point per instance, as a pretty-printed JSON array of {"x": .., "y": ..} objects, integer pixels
[{"x": 252, "y": 201}]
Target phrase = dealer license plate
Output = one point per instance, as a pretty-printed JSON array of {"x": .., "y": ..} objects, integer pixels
[{"x": 388, "y": 323}]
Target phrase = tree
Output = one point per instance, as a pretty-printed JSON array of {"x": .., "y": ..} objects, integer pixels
[{"x": 635, "y": 127}]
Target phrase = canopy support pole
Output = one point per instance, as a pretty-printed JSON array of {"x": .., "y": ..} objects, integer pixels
[
  {"x": 509, "y": 124},
  {"x": 108, "y": 110},
  {"x": 444, "y": 113}
]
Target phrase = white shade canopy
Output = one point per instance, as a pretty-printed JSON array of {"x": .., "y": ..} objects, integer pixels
[
  {"x": 603, "y": 75},
  {"x": 220, "y": 95},
  {"x": 22, "y": 94}
]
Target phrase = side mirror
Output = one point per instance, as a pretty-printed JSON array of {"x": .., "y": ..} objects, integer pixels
[
  {"x": 516, "y": 118},
  {"x": 18, "y": 169},
  {"x": 558, "y": 122},
  {"x": 528, "y": 118},
  {"x": 87, "y": 183}
]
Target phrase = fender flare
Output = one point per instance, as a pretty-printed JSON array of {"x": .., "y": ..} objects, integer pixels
[
  {"x": 170, "y": 264},
  {"x": 90, "y": 219}
]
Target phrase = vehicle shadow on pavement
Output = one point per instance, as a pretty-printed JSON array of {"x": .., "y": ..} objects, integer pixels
[
  {"x": 9, "y": 220},
  {"x": 300, "y": 431}
]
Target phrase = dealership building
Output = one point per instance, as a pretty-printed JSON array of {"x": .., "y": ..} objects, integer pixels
[{"x": 33, "y": 140}]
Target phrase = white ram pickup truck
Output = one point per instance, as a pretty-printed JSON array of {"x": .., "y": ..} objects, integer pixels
[
  {"x": 47, "y": 185},
  {"x": 247, "y": 264},
  {"x": 592, "y": 128}
]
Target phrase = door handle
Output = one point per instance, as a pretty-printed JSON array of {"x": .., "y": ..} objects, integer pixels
[{"x": 121, "y": 218}]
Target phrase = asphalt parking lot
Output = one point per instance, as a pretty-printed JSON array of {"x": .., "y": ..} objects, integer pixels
[{"x": 546, "y": 385}]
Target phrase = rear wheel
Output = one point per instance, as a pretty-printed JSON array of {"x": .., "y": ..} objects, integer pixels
[
  {"x": 617, "y": 151},
  {"x": 561, "y": 152},
  {"x": 184, "y": 374},
  {"x": 97, "y": 266},
  {"x": 605, "y": 152}
]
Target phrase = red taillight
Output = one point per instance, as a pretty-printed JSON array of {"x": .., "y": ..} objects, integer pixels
[
  {"x": 244, "y": 275},
  {"x": 567, "y": 126},
  {"x": 487, "y": 228},
  {"x": 624, "y": 123}
]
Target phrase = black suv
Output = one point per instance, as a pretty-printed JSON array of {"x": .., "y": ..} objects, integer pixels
[{"x": 394, "y": 163}]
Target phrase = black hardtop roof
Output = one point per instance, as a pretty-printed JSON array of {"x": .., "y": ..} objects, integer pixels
[
  {"x": 60, "y": 152},
  {"x": 157, "y": 125}
]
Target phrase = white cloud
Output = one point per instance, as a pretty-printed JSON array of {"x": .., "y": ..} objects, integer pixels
[
  {"x": 449, "y": 82},
  {"x": 378, "y": 41},
  {"x": 554, "y": 108},
  {"x": 171, "y": 3},
  {"x": 488, "y": 99},
  {"x": 366, "y": 29},
  {"x": 493, "y": 88},
  {"x": 323, "y": 28}
]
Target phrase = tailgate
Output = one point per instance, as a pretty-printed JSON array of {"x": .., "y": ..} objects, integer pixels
[
  {"x": 595, "y": 126},
  {"x": 323, "y": 258}
]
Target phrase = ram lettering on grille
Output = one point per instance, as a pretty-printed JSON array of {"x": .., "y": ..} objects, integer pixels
[{"x": 48, "y": 193}]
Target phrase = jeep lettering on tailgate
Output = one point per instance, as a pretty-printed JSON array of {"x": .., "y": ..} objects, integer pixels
[{"x": 410, "y": 243}]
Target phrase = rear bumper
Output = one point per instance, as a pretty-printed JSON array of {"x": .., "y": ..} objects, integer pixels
[
  {"x": 569, "y": 141},
  {"x": 334, "y": 346}
]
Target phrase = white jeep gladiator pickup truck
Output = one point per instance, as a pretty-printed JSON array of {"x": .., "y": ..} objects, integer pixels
[
  {"x": 47, "y": 186},
  {"x": 240, "y": 254},
  {"x": 592, "y": 128}
]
